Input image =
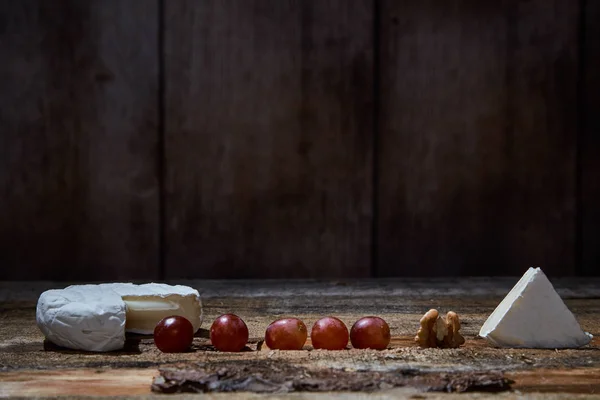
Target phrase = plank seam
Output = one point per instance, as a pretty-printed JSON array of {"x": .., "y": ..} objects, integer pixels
[
  {"x": 581, "y": 125},
  {"x": 374, "y": 268},
  {"x": 161, "y": 143}
]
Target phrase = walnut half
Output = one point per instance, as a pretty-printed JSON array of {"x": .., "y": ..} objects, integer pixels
[{"x": 436, "y": 331}]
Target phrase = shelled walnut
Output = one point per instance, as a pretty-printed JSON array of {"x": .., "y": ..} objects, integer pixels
[{"x": 436, "y": 331}]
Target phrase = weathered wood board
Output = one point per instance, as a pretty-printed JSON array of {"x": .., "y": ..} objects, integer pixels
[
  {"x": 135, "y": 382},
  {"x": 78, "y": 139},
  {"x": 478, "y": 123},
  {"x": 268, "y": 138},
  {"x": 28, "y": 367}
]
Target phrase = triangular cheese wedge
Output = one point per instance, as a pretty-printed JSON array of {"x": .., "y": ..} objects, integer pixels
[{"x": 532, "y": 315}]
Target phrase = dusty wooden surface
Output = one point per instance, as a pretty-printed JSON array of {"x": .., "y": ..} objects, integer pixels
[
  {"x": 477, "y": 136},
  {"x": 78, "y": 123},
  {"x": 268, "y": 138},
  {"x": 29, "y": 368}
]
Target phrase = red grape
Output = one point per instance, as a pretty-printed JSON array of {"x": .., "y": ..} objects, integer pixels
[
  {"x": 329, "y": 333},
  {"x": 173, "y": 334},
  {"x": 229, "y": 333},
  {"x": 286, "y": 334},
  {"x": 370, "y": 333}
]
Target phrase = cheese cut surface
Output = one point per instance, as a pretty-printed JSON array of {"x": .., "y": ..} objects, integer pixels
[
  {"x": 532, "y": 315},
  {"x": 96, "y": 317}
]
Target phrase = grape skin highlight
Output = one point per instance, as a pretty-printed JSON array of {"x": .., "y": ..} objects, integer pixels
[
  {"x": 329, "y": 333},
  {"x": 173, "y": 334},
  {"x": 229, "y": 333},
  {"x": 370, "y": 333},
  {"x": 286, "y": 334}
]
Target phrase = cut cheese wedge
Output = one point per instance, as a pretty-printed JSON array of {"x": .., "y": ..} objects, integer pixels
[
  {"x": 532, "y": 315},
  {"x": 96, "y": 317}
]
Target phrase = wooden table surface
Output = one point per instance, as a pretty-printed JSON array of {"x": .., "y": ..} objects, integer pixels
[{"x": 31, "y": 368}]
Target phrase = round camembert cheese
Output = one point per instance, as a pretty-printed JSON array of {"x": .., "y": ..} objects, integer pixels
[{"x": 95, "y": 317}]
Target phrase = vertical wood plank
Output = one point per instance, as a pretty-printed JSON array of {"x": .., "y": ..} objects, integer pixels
[
  {"x": 78, "y": 139},
  {"x": 268, "y": 138},
  {"x": 590, "y": 140},
  {"x": 478, "y": 132}
]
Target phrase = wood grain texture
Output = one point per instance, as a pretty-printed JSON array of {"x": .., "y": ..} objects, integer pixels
[
  {"x": 590, "y": 140},
  {"x": 78, "y": 139},
  {"x": 123, "y": 383},
  {"x": 268, "y": 138},
  {"x": 30, "y": 367},
  {"x": 478, "y": 132}
]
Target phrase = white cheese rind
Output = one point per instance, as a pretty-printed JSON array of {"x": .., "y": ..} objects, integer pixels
[
  {"x": 82, "y": 319},
  {"x": 532, "y": 315},
  {"x": 95, "y": 317}
]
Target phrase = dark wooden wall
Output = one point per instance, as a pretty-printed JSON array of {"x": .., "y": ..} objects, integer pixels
[
  {"x": 78, "y": 139},
  {"x": 150, "y": 139},
  {"x": 478, "y": 136}
]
